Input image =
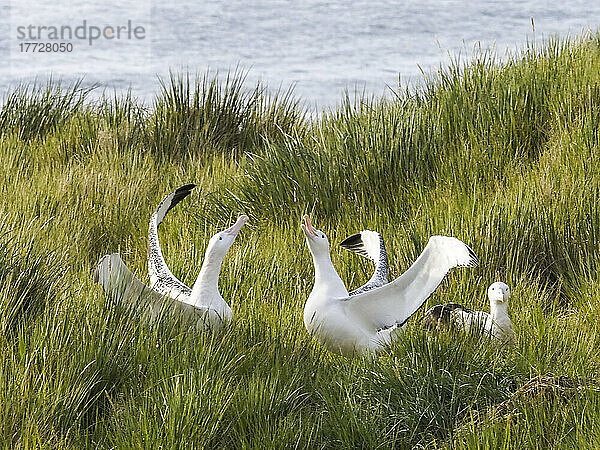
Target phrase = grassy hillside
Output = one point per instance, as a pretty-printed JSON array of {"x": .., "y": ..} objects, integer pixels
[{"x": 505, "y": 156}]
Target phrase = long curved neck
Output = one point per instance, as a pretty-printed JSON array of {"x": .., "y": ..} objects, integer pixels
[
  {"x": 499, "y": 312},
  {"x": 326, "y": 277},
  {"x": 207, "y": 283},
  {"x": 502, "y": 326}
]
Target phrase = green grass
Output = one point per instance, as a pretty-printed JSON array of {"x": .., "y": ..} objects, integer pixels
[{"x": 504, "y": 155}]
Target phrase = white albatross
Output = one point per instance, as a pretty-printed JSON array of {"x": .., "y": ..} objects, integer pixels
[
  {"x": 367, "y": 322},
  {"x": 496, "y": 324},
  {"x": 203, "y": 300}
]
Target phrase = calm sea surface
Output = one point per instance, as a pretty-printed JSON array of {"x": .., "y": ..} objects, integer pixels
[{"x": 321, "y": 48}]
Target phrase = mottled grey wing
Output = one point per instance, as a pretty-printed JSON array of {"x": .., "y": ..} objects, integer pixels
[
  {"x": 369, "y": 244},
  {"x": 161, "y": 278}
]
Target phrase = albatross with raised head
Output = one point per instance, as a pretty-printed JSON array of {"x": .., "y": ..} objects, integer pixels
[
  {"x": 203, "y": 300},
  {"x": 367, "y": 322}
]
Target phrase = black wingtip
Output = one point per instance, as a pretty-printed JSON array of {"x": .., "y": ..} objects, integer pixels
[
  {"x": 352, "y": 241},
  {"x": 187, "y": 187},
  {"x": 474, "y": 261},
  {"x": 180, "y": 194},
  {"x": 183, "y": 192}
]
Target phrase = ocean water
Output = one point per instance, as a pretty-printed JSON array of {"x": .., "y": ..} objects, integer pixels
[{"x": 321, "y": 48}]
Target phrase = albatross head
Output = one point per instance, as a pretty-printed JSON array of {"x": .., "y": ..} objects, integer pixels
[
  {"x": 220, "y": 242},
  {"x": 498, "y": 293},
  {"x": 317, "y": 240}
]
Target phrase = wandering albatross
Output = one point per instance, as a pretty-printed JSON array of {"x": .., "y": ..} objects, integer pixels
[
  {"x": 367, "y": 322},
  {"x": 203, "y": 300},
  {"x": 496, "y": 324}
]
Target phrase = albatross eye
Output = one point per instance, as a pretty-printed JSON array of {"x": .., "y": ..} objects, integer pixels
[
  {"x": 220, "y": 238},
  {"x": 323, "y": 236}
]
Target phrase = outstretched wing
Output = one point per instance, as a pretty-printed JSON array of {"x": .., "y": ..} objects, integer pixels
[
  {"x": 369, "y": 244},
  {"x": 119, "y": 282},
  {"x": 392, "y": 304},
  {"x": 122, "y": 286},
  {"x": 161, "y": 278}
]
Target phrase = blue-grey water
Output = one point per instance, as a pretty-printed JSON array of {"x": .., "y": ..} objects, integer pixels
[{"x": 319, "y": 47}]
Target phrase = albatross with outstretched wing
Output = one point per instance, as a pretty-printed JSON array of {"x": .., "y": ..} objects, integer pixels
[
  {"x": 366, "y": 322},
  {"x": 203, "y": 299}
]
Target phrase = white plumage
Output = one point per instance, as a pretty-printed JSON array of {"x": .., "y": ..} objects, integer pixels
[
  {"x": 203, "y": 300},
  {"x": 496, "y": 324},
  {"x": 367, "y": 322}
]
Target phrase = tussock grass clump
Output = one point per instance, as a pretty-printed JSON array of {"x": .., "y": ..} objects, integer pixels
[
  {"x": 203, "y": 115},
  {"x": 123, "y": 123},
  {"x": 467, "y": 127},
  {"x": 32, "y": 111},
  {"x": 519, "y": 418}
]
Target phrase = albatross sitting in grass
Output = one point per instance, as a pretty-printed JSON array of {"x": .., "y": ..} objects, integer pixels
[
  {"x": 496, "y": 324},
  {"x": 366, "y": 322},
  {"x": 203, "y": 300}
]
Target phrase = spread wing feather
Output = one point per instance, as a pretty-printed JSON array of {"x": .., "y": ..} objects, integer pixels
[
  {"x": 369, "y": 244},
  {"x": 118, "y": 281},
  {"x": 124, "y": 287},
  {"x": 392, "y": 304}
]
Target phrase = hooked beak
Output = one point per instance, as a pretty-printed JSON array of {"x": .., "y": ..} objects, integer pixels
[
  {"x": 498, "y": 299},
  {"x": 307, "y": 226},
  {"x": 237, "y": 226}
]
